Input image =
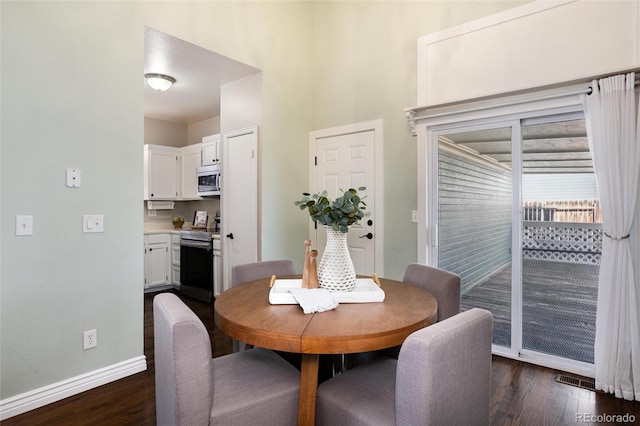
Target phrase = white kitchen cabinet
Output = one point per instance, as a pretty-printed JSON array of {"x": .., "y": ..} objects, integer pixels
[
  {"x": 175, "y": 259},
  {"x": 190, "y": 160},
  {"x": 161, "y": 164},
  {"x": 156, "y": 260},
  {"x": 217, "y": 266},
  {"x": 211, "y": 150}
]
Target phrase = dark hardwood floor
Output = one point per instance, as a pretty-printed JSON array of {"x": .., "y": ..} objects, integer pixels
[{"x": 522, "y": 394}]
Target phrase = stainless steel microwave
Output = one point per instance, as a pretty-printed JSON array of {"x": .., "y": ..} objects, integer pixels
[{"x": 208, "y": 180}]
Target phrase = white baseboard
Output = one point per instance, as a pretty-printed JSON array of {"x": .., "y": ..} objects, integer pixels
[{"x": 37, "y": 398}]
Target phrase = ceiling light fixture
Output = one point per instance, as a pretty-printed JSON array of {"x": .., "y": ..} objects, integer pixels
[{"x": 159, "y": 82}]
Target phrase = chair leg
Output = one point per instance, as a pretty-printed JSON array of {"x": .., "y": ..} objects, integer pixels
[
  {"x": 338, "y": 364},
  {"x": 240, "y": 346}
]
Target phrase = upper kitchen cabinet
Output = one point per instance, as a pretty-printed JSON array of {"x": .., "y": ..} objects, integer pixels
[
  {"x": 190, "y": 160},
  {"x": 161, "y": 166},
  {"x": 211, "y": 150}
]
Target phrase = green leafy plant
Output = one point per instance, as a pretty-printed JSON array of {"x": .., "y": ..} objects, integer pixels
[
  {"x": 177, "y": 220},
  {"x": 340, "y": 213}
]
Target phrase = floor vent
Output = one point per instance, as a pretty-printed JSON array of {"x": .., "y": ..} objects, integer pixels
[{"x": 581, "y": 382}]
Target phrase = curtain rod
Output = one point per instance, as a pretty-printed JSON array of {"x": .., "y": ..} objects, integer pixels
[{"x": 589, "y": 90}]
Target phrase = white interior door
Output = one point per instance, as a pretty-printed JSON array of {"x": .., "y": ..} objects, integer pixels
[
  {"x": 344, "y": 158},
  {"x": 239, "y": 199}
]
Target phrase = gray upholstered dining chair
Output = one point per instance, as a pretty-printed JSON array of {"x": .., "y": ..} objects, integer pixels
[
  {"x": 442, "y": 376},
  {"x": 443, "y": 285},
  {"x": 192, "y": 388},
  {"x": 257, "y": 270}
]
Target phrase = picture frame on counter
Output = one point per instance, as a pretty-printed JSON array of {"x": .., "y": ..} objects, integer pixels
[{"x": 200, "y": 219}]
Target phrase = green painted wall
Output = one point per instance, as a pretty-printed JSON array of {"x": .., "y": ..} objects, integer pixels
[
  {"x": 71, "y": 97},
  {"x": 364, "y": 68},
  {"x": 324, "y": 64},
  {"x": 88, "y": 114}
]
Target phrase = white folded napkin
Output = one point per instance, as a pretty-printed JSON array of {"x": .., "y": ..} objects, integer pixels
[{"x": 314, "y": 299}]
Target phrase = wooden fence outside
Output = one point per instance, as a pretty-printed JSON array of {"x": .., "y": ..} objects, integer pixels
[{"x": 585, "y": 211}]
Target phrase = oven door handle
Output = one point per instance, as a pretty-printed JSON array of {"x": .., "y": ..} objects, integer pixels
[{"x": 196, "y": 244}]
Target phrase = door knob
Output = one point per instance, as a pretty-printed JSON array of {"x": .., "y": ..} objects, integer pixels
[
  {"x": 230, "y": 236},
  {"x": 368, "y": 236}
]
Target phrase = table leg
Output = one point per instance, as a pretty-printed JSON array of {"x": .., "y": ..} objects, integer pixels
[{"x": 308, "y": 390}]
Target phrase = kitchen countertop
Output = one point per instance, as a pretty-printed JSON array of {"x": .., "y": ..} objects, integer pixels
[
  {"x": 150, "y": 231},
  {"x": 161, "y": 231}
]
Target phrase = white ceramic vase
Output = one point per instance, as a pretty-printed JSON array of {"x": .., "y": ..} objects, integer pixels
[{"x": 336, "y": 271}]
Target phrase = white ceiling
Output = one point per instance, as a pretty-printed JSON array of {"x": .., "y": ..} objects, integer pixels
[{"x": 199, "y": 73}]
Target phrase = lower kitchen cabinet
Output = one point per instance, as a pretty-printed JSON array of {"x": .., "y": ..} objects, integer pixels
[
  {"x": 175, "y": 259},
  {"x": 162, "y": 261},
  {"x": 156, "y": 260},
  {"x": 217, "y": 266}
]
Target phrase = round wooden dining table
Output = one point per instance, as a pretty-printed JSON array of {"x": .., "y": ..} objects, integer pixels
[{"x": 244, "y": 313}]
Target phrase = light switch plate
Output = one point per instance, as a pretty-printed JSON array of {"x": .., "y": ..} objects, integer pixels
[
  {"x": 92, "y": 223},
  {"x": 24, "y": 225}
]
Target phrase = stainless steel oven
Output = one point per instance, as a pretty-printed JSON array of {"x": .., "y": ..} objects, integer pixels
[{"x": 196, "y": 265}]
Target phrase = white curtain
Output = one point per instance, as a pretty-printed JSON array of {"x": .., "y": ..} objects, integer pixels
[{"x": 613, "y": 132}]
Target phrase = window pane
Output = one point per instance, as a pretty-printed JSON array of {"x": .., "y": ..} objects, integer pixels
[
  {"x": 562, "y": 241},
  {"x": 474, "y": 217}
]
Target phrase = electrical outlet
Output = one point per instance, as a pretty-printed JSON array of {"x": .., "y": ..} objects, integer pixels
[
  {"x": 90, "y": 339},
  {"x": 24, "y": 225}
]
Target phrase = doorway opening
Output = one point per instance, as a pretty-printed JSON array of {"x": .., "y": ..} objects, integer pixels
[{"x": 212, "y": 99}]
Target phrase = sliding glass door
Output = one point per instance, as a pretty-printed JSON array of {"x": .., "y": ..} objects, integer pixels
[
  {"x": 475, "y": 219},
  {"x": 510, "y": 203}
]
